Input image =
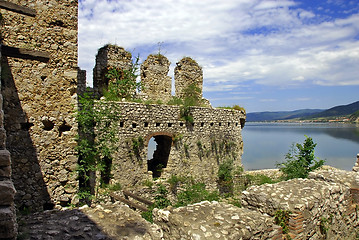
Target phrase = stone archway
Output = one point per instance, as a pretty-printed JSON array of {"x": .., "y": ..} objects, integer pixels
[{"x": 161, "y": 153}]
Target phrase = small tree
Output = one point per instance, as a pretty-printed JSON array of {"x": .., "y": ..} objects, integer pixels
[{"x": 300, "y": 160}]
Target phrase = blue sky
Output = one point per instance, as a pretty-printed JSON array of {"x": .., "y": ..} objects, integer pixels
[{"x": 260, "y": 54}]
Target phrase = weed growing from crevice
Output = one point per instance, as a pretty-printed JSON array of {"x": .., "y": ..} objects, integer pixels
[{"x": 281, "y": 218}]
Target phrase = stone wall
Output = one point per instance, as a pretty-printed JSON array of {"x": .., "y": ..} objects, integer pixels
[
  {"x": 318, "y": 209},
  {"x": 39, "y": 99},
  {"x": 157, "y": 85},
  {"x": 182, "y": 148}
]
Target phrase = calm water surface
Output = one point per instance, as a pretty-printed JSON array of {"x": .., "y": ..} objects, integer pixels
[{"x": 265, "y": 144}]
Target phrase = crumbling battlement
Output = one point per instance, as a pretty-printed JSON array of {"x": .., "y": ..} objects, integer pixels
[
  {"x": 109, "y": 56},
  {"x": 157, "y": 85},
  {"x": 183, "y": 147},
  {"x": 187, "y": 72}
]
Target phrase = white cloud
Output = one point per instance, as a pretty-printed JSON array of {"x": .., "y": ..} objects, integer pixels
[{"x": 236, "y": 41}]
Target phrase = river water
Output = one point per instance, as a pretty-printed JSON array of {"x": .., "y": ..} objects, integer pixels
[{"x": 265, "y": 144}]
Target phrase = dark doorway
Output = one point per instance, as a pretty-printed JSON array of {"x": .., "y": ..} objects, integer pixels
[{"x": 160, "y": 155}]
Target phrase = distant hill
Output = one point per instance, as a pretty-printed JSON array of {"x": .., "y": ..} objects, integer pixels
[
  {"x": 337, "y": 111},
  {"x": 283, "y": 115}
]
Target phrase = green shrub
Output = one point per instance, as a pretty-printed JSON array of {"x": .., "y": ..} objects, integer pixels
[
  {"x": 259, "y": 179},
  {"x": 115, "y": 187},
  {"x": 225, "y": 171},
  {"x": 234, "y": 107},
  {"x": 235, "y": 202},
  {"x": 137, "y": 145},
  {"x": 238, "y": 108},
  {"x": 177, "y": 137},
  {"x": 194, "y": 193},
  {"x": 192, "y": 98},
  {"x": 148, "y": 183},
  {"x": 175, "y": 101},
  {"x": 225, "y": 177},
  {"x": 175, "y": 180},
  {"x": 95, "y": 150},
  {"x": 300, "y": 160},
  {"x": 161, "y": 201}
]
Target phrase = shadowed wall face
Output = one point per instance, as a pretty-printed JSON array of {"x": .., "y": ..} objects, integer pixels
[{"x": 39, "y": 100}]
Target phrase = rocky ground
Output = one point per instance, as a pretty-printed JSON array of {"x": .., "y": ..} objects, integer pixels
[
  {"x": 102, "y": 222},
  {"x": 111, "y": 221}
]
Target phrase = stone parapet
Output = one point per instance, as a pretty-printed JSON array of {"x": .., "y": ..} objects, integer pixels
[
  {"x": 194, "y": 149},
  {"x": 349, "y": 179}
]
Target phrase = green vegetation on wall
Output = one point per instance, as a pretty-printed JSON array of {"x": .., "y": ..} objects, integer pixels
[
  {"x": 281, "y": 218},
  {"x": 192, "y": 98},
  {"x": 235, "y": 107},
  {"x": 122, "y": 83},
  {"x": 95, "y": 149},
  {"x": 225, "y": 177}
]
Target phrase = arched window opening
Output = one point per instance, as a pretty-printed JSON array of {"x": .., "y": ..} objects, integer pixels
[{"x": 159, "y": 148}]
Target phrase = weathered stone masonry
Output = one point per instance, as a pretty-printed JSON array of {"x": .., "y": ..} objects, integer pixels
[
  {"x": 194, "y": 149},
  {"x": 157, "y": 85},
  {"x": 39, "y": 99}
]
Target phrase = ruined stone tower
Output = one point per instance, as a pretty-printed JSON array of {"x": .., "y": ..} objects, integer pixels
[
  {"x": 157, "y": 85},
  {"x": 109, "y": 56},
  {"x": 187, "y": 72}
]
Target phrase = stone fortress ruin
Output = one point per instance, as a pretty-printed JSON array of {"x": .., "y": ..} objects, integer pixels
[
  {"x": 183, "y": 148},
  {"x": 40, "y": 85}
]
